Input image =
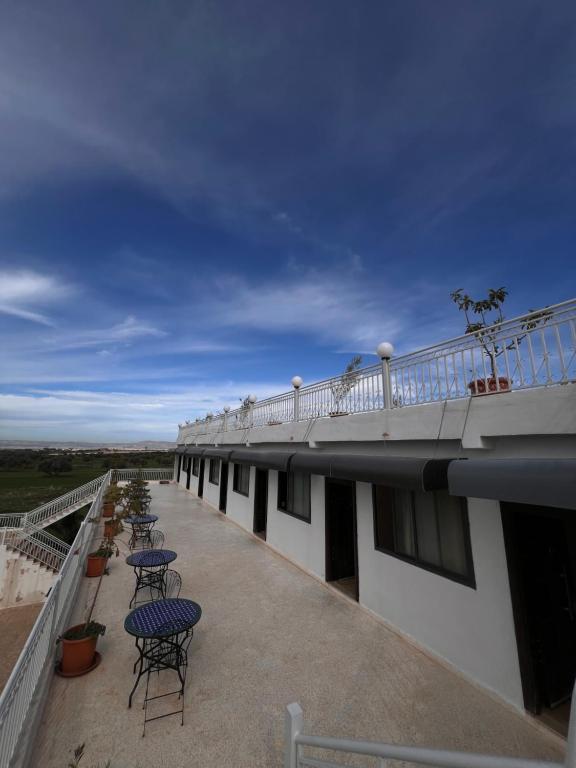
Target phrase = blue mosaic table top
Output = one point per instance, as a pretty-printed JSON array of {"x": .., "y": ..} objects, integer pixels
[
  {"x": 140, "y": 519},
  {"x": 151, "y": 558},
  {"x": 163, "y": 618}
]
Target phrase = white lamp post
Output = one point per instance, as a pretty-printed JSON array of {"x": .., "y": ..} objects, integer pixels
[
  {"x": 296, "y": 383},
  {"x": 252, "y": 399},
  {"x": 384, "y": 350},
  {"x": 226, "y": 412}
]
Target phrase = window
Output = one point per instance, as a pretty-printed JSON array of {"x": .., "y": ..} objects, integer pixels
[
  {"x": 428, "y": 529},
  {"x": 196, "y": 466},
  {"x": 242, "y": 479},
  {"x": 294, "y": 494},
  {"x": 214, "y": 475}
]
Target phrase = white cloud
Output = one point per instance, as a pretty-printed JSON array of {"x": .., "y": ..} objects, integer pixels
[
  {"x": 23, "y": 291},
  {"x": 127, "y": 331}
]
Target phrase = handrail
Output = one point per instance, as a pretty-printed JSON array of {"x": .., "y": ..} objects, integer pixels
[
  {"x": 27, "y": 683},
  {"x": 76, "y": 495},
  {"x": 440, "y": 758},
  {"x": 537, "y": 349}
]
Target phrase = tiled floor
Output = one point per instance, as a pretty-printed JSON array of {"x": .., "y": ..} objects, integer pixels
[{"x": 269, "y": 635}]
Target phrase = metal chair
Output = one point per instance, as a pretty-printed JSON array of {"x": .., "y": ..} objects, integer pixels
[
  {"x": 172, "y": 583},
  {"x": 156, "y": 539}
]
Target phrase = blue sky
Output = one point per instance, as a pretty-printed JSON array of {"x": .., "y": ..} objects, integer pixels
[{"x": 199, "y": 200}]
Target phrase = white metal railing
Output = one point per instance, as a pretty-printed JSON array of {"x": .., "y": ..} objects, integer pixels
[
  {"x": 146, "y": 474},
  {"x": 535, "y": 350},
  {"x": 27, "y": 683},
  {"x": 39, "y": 545},
  {"x": 12, "y": 520},
  {"x": 295, "y": 740},
  {"x": 84, "y": 493}
]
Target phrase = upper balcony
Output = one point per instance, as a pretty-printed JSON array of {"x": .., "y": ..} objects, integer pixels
[{"x": 533, "y": 351}]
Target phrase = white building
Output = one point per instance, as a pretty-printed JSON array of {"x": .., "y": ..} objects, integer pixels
[{"x": 436, "y": 490}]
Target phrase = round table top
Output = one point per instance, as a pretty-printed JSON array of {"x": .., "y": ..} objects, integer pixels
[
  {"x": 140, "y": 519},
  {"x": 151, "y": 558},
  {"x": 163, "y": 618}
]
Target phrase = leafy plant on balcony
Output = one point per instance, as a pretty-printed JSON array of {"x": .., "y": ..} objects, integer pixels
[
  {"x": 484, "y": 318},
  {"x": 136, "y": 497},
  {"x": 342, "y": 386}
]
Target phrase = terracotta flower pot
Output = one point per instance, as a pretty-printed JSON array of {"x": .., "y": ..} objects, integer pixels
[
  {"x": 95, "y": 565},
  {"x": 78, "y": 655},
  {"x": 478, "y": 387},
  {"x": 108, "y": 509},
  {"x": 110, "y": 528}
]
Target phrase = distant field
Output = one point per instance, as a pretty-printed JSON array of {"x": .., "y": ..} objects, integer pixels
[{"x": 23, "y": 488}]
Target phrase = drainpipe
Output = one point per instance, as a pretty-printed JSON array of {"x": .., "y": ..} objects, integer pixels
[
  {"x": 384, "y": 351},
  {"x": 296, "y": 383}
]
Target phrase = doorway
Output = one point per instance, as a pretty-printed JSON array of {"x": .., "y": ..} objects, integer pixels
[
  {"x": 179, "y": 467},
  {"x": 223, "y": 487},
  {"x": 540, "y": 549},
  {"x": 188, "y": 473},
  {"x": 341, "y": 536},
  {"x": 261, "y": 503},
  {"x": 201, "y": 479}
]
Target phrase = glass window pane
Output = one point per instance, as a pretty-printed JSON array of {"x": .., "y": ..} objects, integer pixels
[
  {"x": 384, "y": 517},
  {"x": 301, "y": 494},
  {"x": 282, "y": 490},
  {"x": 453, "y": 532},
  {"x": 427, "y": 528},
  {"x": 403, "y": 523}
]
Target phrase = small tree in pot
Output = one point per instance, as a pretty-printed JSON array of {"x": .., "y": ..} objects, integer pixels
[
  {"x": 484, "y": 318},
  {"x": 345, "y": 384},
  {"x": 98, "y": 560}
]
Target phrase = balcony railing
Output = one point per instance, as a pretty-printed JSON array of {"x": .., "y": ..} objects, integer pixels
[
  {"x": 295, "y": 741},
  {"x": 535, "y": 350}
]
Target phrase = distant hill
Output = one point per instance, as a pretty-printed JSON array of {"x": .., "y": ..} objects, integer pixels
[{"x": 141, "y": 445}]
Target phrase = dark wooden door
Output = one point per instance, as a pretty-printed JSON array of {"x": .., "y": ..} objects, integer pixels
[
  {"x": 261, "y": 502},
  {"x": 541, "y": 542},
  {"x": 341, "y": 539},
  {"x": 188, "y": 472},
  {"x": 179, "y": 467},
  {"x": 223, "y": 487},
  {"x": 201, "y": 479}
]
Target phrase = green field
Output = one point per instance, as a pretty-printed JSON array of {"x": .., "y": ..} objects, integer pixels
[{"x": 24, "y": 487}]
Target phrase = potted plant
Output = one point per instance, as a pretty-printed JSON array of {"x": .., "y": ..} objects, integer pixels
[
  {"x": 79, "y": 648},
  {"x": 484, "y": 318},
  {"x": 136, "y": 497},
  {"x": 98, "y": 560},
  {"x": 343, "y": 386},
  {"x": 111, "y": 498}
]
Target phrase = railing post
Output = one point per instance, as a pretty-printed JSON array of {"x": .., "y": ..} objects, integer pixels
[
  {"x": 226, "y": 412},
  {"x": 384, "y": 352},
  {"x": 293, "y": 722},
  {"x": 296, "y": 383}
]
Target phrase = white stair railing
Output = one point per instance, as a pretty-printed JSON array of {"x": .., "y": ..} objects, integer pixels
[
  {"x": 84, "y": 493},
  {"x": 39, "y": 545},
  {"x": 295, "y": 739},
  {"x": 150, "y": 475}
]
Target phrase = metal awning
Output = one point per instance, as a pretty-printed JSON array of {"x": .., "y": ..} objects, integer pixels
[
  {"x": 542, "y": 482},
  {"x": 395, "y": 471},
  {"x": 195, "y": 450},
  {"x": 218, "y": 453},
  {"x": 180, "y": 449},
  {"x": 263, "y": 459}
]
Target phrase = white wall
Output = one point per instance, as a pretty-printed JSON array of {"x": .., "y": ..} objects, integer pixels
[
  {"x": 211, "y": 492},
  {"x": 241, "y": 508},
  {"x": 471, "y": 628},
  {"x": 300, "y": 541}
]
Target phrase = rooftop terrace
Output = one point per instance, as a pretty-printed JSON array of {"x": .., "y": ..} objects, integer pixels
[{"x": 269, "y": 635}]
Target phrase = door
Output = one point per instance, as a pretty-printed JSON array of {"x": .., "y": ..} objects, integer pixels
[
  {"x": 541, "y": 546},
  {"x": 261, "y": 502},
  {"x": 341, "y": 538},
  {"x": 201, "y": 479},
  {"x": 223, "y": 487},
  {"x": 179, "y": 467},
  {"x": 188, "y": 472}
]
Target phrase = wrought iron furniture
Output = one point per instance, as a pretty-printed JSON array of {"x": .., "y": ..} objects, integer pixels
[
  {"x": 141, "y": 529},
  {"x": 172, "y": 583},
  {"x": 149, "y": 566},
  {"x": 163, "y": 630}
]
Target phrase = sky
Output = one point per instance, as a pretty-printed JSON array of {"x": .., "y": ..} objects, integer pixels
[{"x": 201, "y": 199}]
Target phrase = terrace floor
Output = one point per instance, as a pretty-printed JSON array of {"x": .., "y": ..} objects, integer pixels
[{"x": 269, "y": 635}]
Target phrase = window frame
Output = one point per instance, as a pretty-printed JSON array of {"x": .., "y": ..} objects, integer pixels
[
  {"x": 290, "y": 496},
  {"x": 195, "y": 465},
  {"x": 235, "y": 479},
  {"x": 468, "y": 579},
  {"x": 214, "y": 462}
]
